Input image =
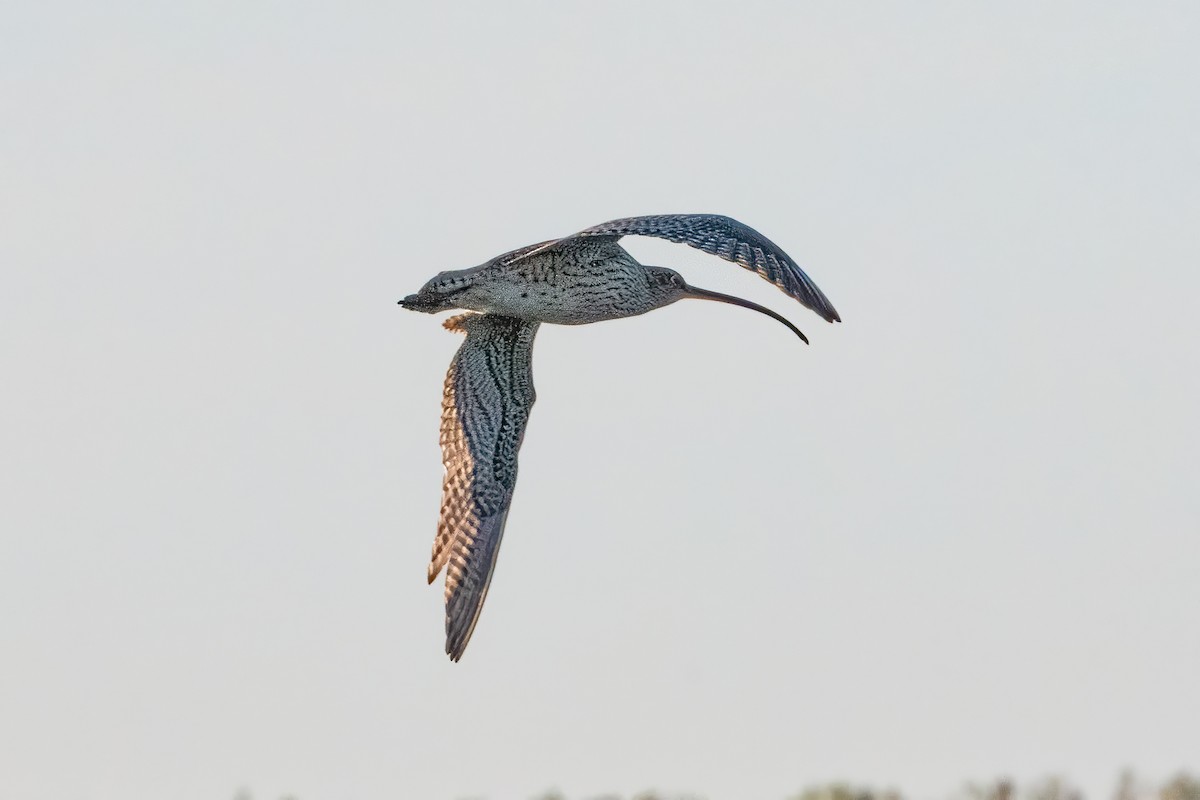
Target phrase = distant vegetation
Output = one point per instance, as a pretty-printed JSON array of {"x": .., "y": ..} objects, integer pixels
[{"x": 1180, "y": 787}]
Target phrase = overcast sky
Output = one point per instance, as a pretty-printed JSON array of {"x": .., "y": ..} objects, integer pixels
[{"x": 957, "y": 537}]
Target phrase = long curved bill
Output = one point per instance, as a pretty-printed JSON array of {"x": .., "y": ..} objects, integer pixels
[{"x": 705, "y": 294}]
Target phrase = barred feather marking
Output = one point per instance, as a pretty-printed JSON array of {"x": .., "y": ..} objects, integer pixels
[
  {"x": 485, "y": 406},
  {"x": 722, "y": 236}
]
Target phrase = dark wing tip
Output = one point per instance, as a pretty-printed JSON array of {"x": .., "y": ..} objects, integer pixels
[
  {"x": 466, "y": 596},
  {"x": 460, "y": 625}
]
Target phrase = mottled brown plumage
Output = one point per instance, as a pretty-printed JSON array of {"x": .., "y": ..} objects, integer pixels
[
  {"x": 583, "y": 278},
  {"x": 722, "y": 236},
  {"x": 588, "y": 277},
  {"x": 485, "y": 405}
]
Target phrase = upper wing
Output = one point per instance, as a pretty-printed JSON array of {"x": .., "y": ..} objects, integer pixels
[
  {"x": 485, "y": 405},
  {"x": 521, "y": 252},
  {"x": 721, "y": 236}
]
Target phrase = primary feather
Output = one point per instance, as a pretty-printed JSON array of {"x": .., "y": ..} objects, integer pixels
[{"x": 486, "y": 401}]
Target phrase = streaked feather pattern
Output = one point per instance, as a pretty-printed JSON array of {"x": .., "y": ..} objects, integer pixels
[
  {"x": 488, "y": 392},
  {"x": 486, "y": 401},
  {"x": 713, "y": 233}
]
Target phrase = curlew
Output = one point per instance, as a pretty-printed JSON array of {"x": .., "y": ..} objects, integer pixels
[{"x": 583, "y": 278}]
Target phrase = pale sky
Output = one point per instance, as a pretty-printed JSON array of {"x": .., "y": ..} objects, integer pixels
[{"x": 955, "y": 538}]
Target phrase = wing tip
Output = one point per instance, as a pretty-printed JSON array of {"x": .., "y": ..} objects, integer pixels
[
  {"x": 818, "y": 302},
  {"x": 457, "y": 638}
]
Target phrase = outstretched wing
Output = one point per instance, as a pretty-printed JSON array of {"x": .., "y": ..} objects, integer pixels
[
  {"x": 485, "y": 405},
  {"x": 721, "y": 236}
]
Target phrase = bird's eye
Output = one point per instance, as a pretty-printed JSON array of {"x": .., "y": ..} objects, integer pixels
[{"x": 677, "y": 281}]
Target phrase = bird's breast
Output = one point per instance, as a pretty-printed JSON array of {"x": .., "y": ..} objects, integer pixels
[{"x": 564, "y": 296}]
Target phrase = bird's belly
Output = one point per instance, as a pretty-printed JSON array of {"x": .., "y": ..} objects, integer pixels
[{"x": 563, "y": 305}]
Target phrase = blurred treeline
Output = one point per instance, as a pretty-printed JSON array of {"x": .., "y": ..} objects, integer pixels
[{"x": 1129, "y": 787}]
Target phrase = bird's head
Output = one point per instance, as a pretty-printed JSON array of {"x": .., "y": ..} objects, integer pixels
[
  {"x": 667, "y": 286},
  {"x": 440, "y": 293}
]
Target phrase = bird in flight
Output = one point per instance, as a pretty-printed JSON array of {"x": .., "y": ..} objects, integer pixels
[{"x": 488, "y": 393}]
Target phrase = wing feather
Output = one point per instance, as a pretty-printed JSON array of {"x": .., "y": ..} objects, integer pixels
[
  {"x": 486, "y": 401},
  {"x": 722, "y": 236}
]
